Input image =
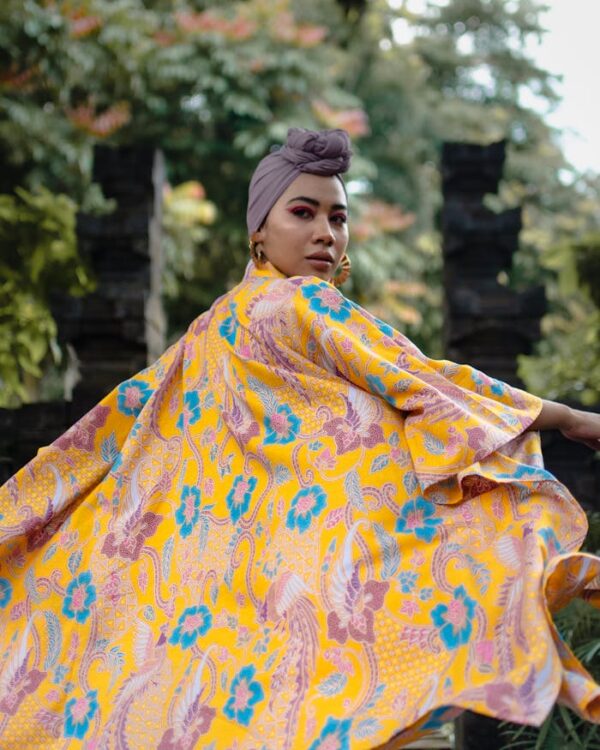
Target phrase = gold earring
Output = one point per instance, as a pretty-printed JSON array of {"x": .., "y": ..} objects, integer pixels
[
  {"x": 256, "y": 254},
  {"x": 343, "y": 271}
]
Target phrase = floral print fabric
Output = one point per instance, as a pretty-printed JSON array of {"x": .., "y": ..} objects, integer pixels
[{"x": 294, "y": 530}]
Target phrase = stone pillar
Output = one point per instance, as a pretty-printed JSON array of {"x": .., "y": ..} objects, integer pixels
[
  {"x": 486, "y": 324},
  {"x": 120, "y": 328}
]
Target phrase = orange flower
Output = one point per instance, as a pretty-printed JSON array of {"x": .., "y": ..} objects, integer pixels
[
  {"x": 82, "y": 25},
  {"x": 387, "y": 217},
  {"x": 193, "y": 22},
  {"x": 308, "y": 35},
  {"x": 284, "y": 28},
  {"x": 164, "y": 38},
  {"x": 354, "y": 121},
  {"x": 101, "y": 125},
  {"x": 208, "y": 21},
  {"x": 17, "y": 80},
  {"x": 240, "y": 29}
]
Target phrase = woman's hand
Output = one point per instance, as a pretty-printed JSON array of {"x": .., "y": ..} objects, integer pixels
[
  {"x": 575, "y": 424},
  {"x": 583, "y": 427}
]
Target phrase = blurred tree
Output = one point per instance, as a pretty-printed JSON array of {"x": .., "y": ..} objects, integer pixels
[
  {"x": 215, "y": 85},
  {"x": 458, "y": 71}
]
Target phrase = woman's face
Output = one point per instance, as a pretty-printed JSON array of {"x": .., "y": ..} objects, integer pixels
[{"x": 306, "y": 231}]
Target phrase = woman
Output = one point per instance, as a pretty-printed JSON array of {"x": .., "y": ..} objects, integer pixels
[{"x": 294, "y": 530}]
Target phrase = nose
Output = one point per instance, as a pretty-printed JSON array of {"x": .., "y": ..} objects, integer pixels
[{"x": 322, "y": 231}]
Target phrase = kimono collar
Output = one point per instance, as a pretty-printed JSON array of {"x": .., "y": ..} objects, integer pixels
[{"x": 264, "y": 271}]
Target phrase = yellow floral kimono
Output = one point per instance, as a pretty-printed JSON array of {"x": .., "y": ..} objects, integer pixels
[{"x": 293, "y": 531}]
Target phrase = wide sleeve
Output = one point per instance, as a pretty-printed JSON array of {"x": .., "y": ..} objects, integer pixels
[
  {"x": 35, "y": 501},
  {"x": 455, "y": 417}
]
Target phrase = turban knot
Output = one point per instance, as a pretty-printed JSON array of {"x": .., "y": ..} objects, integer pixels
[{"x": 326, "y": 153}]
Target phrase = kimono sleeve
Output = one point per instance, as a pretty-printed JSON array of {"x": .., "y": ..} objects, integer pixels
[
  {"x": 454, "y": 415},
  {"x": 37, "y": 499}
]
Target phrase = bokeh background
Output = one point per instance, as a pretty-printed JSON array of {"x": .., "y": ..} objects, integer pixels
[{"x": 213, "y": 85}]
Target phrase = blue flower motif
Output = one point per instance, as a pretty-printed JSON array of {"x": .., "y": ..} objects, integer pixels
[
  {"x": 523, "y": 471},
  {"x": 282, "y": 427},
  {"x": 117, "y": 463},
  {"x": 326, "y": 300},
  {"x": 81, "y": 594},
  {"x": 239, "y": 496},
  {"x": 497, "y": 387},
  {"x": 194, "y": 622},
  {"x": 228, "y": 328},
  {"x": 376, "y": 384},
  {"x": 132, "y": 395},
  {"x": 417, "y": 518},
  {"x": 408, "y": 579},
  {"x": 385, "y": 328},
  {"x": 78, "y": 714},
  {"x": 245, "y": 694},
  {"x": 378, "y": 387},
  {"x": 60, "y": 673},
  {"x": 425, "y": 594},
  {"x": 307, "y": 504},
  {"x": 548, "y": 535},
  {"x": 334, "y": 734},
  {"x": 5, "y": 592},
  {"x": 191, "y": 408},
  {"x": 188, "y": 513},
  {"x": 454, "y": 621}
]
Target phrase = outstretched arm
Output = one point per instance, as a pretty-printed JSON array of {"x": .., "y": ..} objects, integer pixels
[{"x": 575, "y": 424}]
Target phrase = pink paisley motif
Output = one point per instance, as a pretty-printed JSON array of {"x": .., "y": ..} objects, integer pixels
[
  {"x": 352, "y": 430},
  {"x": 362, "y": 603},
  {"x": 474, "y": 486},
  {"x": 83, "y": 433},
  {"x": 476, "y": 438},
  {"x": 38, "y": 530},
  {"x": 197, "y": 722},
  {"x": 135, "y": 535},
  {"x": 23, "y": 683}
]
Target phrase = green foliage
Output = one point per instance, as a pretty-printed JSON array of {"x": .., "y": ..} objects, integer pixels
[
  {"x": 38, "y": 253},
  {"x": 567, "y": 362},
  {"x": 214, "y": 85},
  {"x": 212, "y": 88}
]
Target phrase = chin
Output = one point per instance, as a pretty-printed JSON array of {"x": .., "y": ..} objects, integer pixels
[{"x": 319, "y": 275}]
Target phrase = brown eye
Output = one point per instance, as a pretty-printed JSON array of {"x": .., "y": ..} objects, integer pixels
[{"x": 303, "y": 212}]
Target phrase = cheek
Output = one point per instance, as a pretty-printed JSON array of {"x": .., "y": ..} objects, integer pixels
[
  {"x": 287, "y": 228},
  {"x": 342, "y": 237}
]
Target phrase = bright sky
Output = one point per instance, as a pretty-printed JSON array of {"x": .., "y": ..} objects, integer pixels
[{"x": 571, "y": 47}]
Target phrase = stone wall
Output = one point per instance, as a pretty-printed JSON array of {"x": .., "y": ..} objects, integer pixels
[
  {"x": 120, "y": 328},
  {"x": 487, "y": 324}
]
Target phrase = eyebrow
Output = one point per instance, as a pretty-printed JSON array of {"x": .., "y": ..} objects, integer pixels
[{"x": 313, "y": 202}]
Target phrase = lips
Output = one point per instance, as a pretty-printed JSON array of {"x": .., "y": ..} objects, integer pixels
[{"x": 323, "y": 255}]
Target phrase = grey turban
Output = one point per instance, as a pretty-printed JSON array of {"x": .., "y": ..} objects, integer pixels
[{"x": 323, "y": 152}]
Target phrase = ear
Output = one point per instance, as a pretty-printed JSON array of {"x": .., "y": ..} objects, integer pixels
[{"x": 257, "y": 237}]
